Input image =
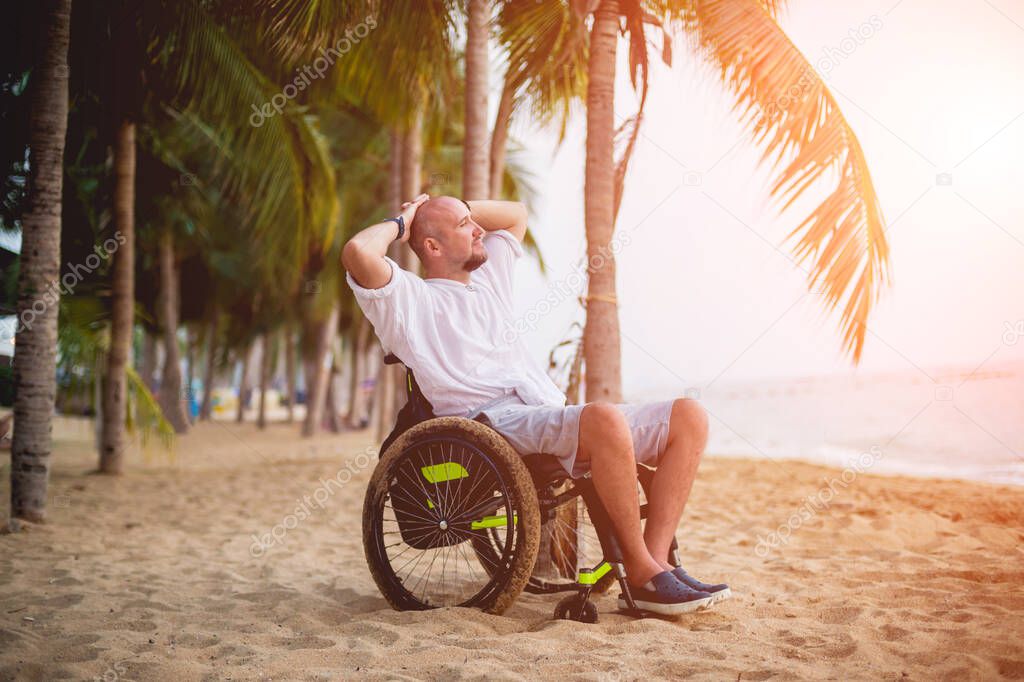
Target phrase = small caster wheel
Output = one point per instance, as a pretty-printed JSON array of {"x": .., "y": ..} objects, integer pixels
[{"x": 576, "y": 607}]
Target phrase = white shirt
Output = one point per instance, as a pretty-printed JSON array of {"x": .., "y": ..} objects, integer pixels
[{"x": 460, "y": 340}]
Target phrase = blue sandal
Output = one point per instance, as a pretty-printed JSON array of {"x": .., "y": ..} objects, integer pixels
[
  {"x": 665, "y": 595},
  {"x": 719, "y": 592}
]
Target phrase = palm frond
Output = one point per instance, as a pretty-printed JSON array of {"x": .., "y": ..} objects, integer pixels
[
  {"x": 408, "y": 61},
  {"x": 844, "y": 237},
  {"x": 544, "y": 46},
  {"x": 298, "y": 28},
  {"x": 280, "y": 159},
  {"x": 144, "y": 415}
]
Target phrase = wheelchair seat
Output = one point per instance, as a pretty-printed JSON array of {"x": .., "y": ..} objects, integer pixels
[{"x": 545, "y": 469}]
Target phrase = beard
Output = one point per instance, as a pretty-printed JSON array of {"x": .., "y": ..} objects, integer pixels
[{"x": 475, "y": 261}]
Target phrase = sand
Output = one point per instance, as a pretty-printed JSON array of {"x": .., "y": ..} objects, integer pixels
[{"x": 151, "y": 576}]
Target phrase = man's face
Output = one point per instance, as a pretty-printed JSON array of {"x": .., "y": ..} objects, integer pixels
[{"x": 462, "y": 239}]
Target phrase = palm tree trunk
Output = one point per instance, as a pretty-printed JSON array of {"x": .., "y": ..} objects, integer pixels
[
  {"x": 411, "y": 150},
  {"x": 208, "y": 371},
  {"x": 112, "y": 440},
  {"x": 316, "y": 368},
  {"x": 499, "y": 139},
  {"x": 601, "y": 341},
  {"x": 333, "y": 415},
  {"x": 289, "y": 370},
  {"x": 356, "y": 396},
  {"x": 35, "y": 352},
  {"x": 475, "y": 164},
  {"x": 243, "y": 384},
  {"x": 391, "y": 379},
  {"x": 167, "y": 309},
  {"x": 385, "y": 412},
  {"x": 265, "y": 365},
  {"x": 190, "y": 376}
]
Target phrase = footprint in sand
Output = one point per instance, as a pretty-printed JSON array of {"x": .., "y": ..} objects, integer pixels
[
  {"x": 892, "y": 633},
  {"x": 76, "y": 649},
  {"x": 843, "y": 649},
  {"x": 305, "y": 642},
  {"x": 840, "y": 615},
  {"x": 192, "y": 640}
]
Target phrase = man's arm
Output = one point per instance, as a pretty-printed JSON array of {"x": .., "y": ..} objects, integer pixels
[
  {"x": 500, "y": 215},
  {"x": 363, "y": 255}
]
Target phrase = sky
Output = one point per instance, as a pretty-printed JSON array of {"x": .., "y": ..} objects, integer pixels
[{"x": 708, "y": 289}]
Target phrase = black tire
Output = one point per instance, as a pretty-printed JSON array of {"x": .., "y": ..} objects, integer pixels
[
  {"x": 493, "y": 483},
  {"x": 575, "y": 607}
]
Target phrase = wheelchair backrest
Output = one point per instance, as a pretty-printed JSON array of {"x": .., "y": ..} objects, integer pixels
[{"x": 416, "y": 409}]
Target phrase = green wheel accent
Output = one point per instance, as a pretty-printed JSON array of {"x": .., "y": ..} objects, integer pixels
[
  {"x": 430, "y": 505},
  {"x": 446, "y": 471},
  {"x": 493, "y": 522},
  {"x": 591, "y": 577}
]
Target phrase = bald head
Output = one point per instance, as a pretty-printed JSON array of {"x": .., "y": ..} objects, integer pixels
[
  {"x": 432, "y": 219},
  {"x": 446, "y": 238}
]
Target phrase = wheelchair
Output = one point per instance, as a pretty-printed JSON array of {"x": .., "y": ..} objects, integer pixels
[{"x": 453, "y": 516}]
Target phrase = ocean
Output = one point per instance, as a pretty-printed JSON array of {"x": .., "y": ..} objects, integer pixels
[{"x": 951, "y": 423}]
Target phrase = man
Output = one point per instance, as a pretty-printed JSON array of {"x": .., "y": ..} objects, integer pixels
[{"x": 452, "y": 329}]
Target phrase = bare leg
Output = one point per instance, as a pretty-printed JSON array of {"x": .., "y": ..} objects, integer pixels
[
  {"x": 606, "y": 442},
  {"x": 677, "y": 467}
]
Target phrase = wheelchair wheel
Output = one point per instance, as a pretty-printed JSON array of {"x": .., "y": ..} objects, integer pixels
[{"x": 443, "y": 487}]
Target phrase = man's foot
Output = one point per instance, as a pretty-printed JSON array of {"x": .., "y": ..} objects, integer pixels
[
  {"x": 664, "y": 594},
  {"x": 719, "y": 592}
]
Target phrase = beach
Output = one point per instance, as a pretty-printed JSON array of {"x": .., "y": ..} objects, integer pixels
[{"x": 160, "y": 574}]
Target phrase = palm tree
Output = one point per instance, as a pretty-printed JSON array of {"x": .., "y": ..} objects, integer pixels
[
  {"x": 475, "y": 163},
  {"x": 171, "y": 402},
  {"x": 601, "y": 334},
  {"x": 122, "y": 314},
  {"x": 843, "y": 237},
  {"x": 36, "y": 346}
]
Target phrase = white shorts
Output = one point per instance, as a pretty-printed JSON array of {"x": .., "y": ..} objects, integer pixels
[{"x": 555, "y": 429}]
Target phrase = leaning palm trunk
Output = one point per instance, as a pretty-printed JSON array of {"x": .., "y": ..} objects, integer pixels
[
  {"x": 36, "y": 348},
  {"x": 601, "y": 334},
  {"x": 112, "y": 438},
  {"x": 167, "y": 306},
  {"x": 475, "y": 164}
]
